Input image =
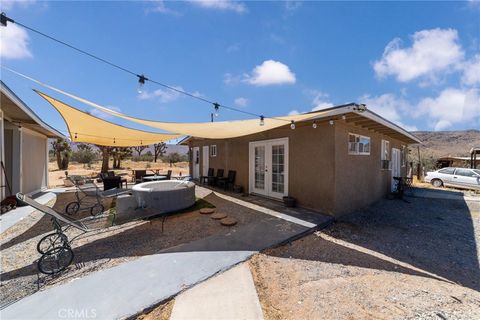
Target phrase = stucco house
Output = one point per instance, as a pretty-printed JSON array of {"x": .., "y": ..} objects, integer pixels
[
  {"x": 341, "y": 161},
  {"x": 23, "y": 146}
]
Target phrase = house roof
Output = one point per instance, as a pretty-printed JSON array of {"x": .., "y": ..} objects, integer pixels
[
  {"x": 357, "y": 114},
  {"x": 16, "y": 111}
]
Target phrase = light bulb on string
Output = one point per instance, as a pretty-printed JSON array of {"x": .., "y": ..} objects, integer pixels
[
  {"x": 216, "y": 108},
  {"x": 262, "y": 120},
  {"x": 314, "y": 125},
  {"x": 292, "y": 125},
  {"x": 141, "y": 83}
]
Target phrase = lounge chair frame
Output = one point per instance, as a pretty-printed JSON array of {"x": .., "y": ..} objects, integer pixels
[{"x": 84, "y": 192}]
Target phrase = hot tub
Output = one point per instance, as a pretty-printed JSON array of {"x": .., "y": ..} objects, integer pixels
[{"x": 165, "y": 196}]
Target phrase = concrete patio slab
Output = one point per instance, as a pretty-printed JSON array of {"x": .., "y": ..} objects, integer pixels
[
  {"x": 12, "y": 217},
  {"x": 126, "y": 289},
  {"x": 230, "y": 295}
]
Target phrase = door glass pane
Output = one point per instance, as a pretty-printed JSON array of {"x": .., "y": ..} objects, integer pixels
[
  {"x": 278, "y": 168},
  {"x": 260, "y": 167}
]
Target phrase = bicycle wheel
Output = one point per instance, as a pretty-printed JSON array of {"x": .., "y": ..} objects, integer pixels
[
  {"x": 96, "y": 209},
  {"x": 51, "y": 241},
  {"x": 72, "y": 208},
  {"x": 55, "y": 260}
]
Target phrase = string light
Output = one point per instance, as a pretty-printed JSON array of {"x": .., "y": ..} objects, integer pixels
[
  {"x": 216, "y": 106},
  {"x": 141, "y": 78},
  {"x": 141, "y": 82},
  {"x": 344, "y": 117},
  {"x": 262, "y": 121},
  {"x": 292, "y": 125},
  {"x": 75, "y": 136},
  {"x": 331, "y": 122}
]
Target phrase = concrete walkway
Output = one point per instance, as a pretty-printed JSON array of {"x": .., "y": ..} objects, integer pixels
[
  {"x": 230, "y": 295},
  {"x": 126, "y": 289},
  {"x": 12, "y": 217},
  {"x": 129, "y": 288}
]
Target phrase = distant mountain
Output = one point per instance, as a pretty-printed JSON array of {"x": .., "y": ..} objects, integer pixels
[{"x": 448, "y": 143}]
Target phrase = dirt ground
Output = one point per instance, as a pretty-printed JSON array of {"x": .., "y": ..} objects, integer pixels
[
  {"x": 97, "y": 250},
  {"x": 394, "y": 260},
  {"x": 56, "y": 176}
]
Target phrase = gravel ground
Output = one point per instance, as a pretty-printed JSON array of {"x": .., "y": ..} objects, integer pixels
[
  {"x": 394, "y": 260},
  {"x": 103, "y": 249}
]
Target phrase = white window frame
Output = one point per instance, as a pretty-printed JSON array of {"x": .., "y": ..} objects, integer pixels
[
  {"x": 385, "y": 150},
  {"x": 213, "y": 150},
  {"x": 357, "y": 144}
]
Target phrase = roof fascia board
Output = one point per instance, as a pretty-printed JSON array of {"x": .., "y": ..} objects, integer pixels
[{"x": 19, "y": 103}]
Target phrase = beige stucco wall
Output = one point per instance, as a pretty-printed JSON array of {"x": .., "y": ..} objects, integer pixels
[
  {"x": 322, "y": 175},
  {"x": 34, "y": 163},
  {"x": 360, "y": 179}
]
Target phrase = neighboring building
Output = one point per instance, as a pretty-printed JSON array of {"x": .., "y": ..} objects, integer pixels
[
  {"x": 23, "y": 146},
  {"x": 462, "y": 162},
  {"x": 345, "y": 163}
]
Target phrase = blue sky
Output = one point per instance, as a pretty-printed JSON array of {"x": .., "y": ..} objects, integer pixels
[{"x": 415, "y": 63}]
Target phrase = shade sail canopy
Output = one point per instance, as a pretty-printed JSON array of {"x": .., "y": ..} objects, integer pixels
[
  {"x": 86, "y": 128},
  {"x": 209, "y": 130}
]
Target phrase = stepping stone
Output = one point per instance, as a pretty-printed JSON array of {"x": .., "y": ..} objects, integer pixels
[
  {"x": 228, "y": 221},
  {"x": 207, "y": 210},
  {"x": 218, "y": 215}
]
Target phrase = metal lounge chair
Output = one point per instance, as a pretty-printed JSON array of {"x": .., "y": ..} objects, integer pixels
[
  {"x": 89, "y": 196},
  {"x": 55, "y": 248}
]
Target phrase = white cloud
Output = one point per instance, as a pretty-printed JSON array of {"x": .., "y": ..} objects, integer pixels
[
  {"x": 471, "y": 71},
  {"x": 292, "y": 6},
  {"x": 320, "y": 100},
  {"x": 390, "y": 107},
  {"x": 158, "y": 6},
  {"x": 452, "y": 106},
  {"x": 11, "y": 4},
  {"x": 241, "y": 102},
  {"x": 293, "y": 113},
  {"x": 162, "y": 95},
  {"x": 270, "y": 72},
  {"x": 14, "y": 42},
  {"x": 226, "y": 5},
  {"x": 432, "y": 52},
  {"x": 103, "y": 115}
]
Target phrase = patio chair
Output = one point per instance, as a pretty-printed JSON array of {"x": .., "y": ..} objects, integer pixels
[
  {"x": 169, "y": 174},
  {"x": 208, "y": 176},
  {"x": 111, "y": 181},
  {"x": 214, "y": 179},
  {"x": 227, "y": 182},
  {"x": 139, "y": 174}
]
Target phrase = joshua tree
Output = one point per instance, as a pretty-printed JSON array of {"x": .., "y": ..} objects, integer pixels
[
  {"x": 120, "y": 154},
  {"x": 159, "y": 150},
  {"x": 62, "y": 151},
  {"x": 139, "y": 149},
  {"x": 105, "y": 156}
]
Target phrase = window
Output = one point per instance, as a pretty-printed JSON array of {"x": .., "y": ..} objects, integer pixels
[
  {"x": 465, "y": 173},
  {"x": 385, "y": 150},
  {"x": 213, "y": 150},
  {"x": 447, "y": 171},
  {"x": 476, "y": 171},
  {"x": 358, "y": 144}
]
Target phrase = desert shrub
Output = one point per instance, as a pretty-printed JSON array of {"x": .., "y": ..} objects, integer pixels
[
  {"x": 175, "y": 157},
  {"x": 84, "y": 156}
]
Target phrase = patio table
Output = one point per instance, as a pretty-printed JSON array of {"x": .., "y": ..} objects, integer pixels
[{"x": 155, "y": 178}]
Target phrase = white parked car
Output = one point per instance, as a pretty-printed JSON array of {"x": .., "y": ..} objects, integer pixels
[{"x": 455, "y": 177}]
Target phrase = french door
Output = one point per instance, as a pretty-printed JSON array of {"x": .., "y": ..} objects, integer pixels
[{"x": 268, "y": 167}]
